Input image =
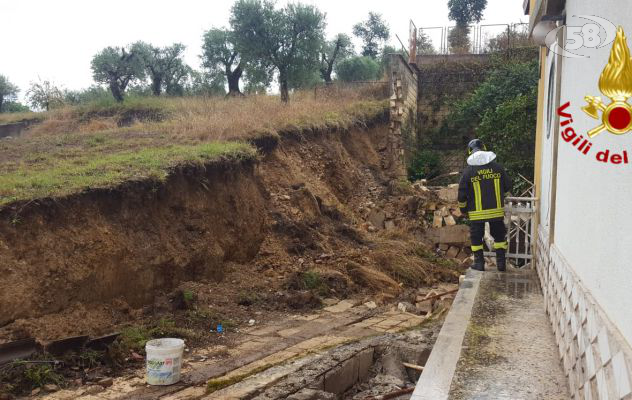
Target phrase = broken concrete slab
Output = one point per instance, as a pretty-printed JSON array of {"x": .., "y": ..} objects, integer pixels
[
  {"x": 344, "y": 305},
  {"x": 449, "y": 194},
  {"x": 456, "y": 234}
]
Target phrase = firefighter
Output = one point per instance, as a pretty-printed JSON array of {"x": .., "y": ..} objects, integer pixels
[{"x": 481, "y": 195}]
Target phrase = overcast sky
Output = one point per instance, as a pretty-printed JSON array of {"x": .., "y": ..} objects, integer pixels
[{"x": 56, "y": 40}]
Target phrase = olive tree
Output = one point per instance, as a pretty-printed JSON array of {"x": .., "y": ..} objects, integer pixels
[
  {"x": 162, "y": 64},
  {"x": 220, "y": 57},
  {"x": 117, "y": 67},
  {"x": 332, "y": 52},
  {"x": 8, "y": 91},
  {"x": 287, "y": 40},
  {"x": 373, "y": 32},
  {"x": 44, "y": 95}
]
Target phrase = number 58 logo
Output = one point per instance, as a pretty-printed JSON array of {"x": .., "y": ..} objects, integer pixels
[{"x": 594, "y": 35}]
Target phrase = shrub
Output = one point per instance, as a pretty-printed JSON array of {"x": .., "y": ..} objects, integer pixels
[{"x": 358, "y": 69}]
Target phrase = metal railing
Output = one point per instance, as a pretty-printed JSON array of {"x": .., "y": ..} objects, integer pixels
[
  {"x": 519, "y": 218},
  {"x": 482, "y": 39}
]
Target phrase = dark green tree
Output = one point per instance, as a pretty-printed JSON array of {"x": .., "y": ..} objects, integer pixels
[
  {"x": 162, "y": 64},
  {"x": 359, "y": 68},
  {"x": 464, "y": 13},
  {"x": 8, "y": 91},
  {"x": 373, "y": 32},
  {"x": 206, "y": 84},
  {"x": 14, "y": 107},
  {"x": 220, "y": 56},
  {"x": 285, "y": 40},
  {"x": 502, "y": 112},
  {"x": 332, "y": 52},
  {"x": 117, "y": 67}
]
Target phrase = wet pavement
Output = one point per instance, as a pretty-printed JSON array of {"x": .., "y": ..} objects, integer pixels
[{"x": 509, "y": 350}]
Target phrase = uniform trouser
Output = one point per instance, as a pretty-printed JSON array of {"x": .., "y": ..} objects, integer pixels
[{"x": 496, "y": 228}]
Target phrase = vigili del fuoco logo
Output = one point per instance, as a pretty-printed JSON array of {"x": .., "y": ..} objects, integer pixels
[{"x": 616, "y": 117}]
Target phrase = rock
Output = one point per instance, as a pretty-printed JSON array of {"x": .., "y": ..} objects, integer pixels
[
  {"x": 51, "y": 388},
  {"x": 449, "y": 220},
  {"x": 106, "y": 382},
  {"x": 370, "y": 305},
  {"x": 371, "y": 228},
  {"x": 405, "y": 306},
  {"x": 452, "y": 252},
  {"x": 457, "y": 213},
  {"x": 94, "y": 389},
  {"x": 251, "y": 322},
  {"x": 437, "y": 221},
  {"x": 389, "y": 225},
  {"x": 35, "y": 391},
  {"x": 376, "y": 218},
  {"x": 284, "y": 197},
  {"x": 444, "y": 247},
  {"x": 423, "y": 307},
  {"x": 330, "y": 301}
]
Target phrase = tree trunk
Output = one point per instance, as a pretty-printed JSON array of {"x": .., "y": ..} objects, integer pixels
[
  {"x": 156, "y": 86},
  {"x": 327, "y": 74},
  {"x": 233, "y": 81},
  {"x": 283, "y": 84},
  {"x": 1, "y": 102},
  {"x": 116, "y": 91}
]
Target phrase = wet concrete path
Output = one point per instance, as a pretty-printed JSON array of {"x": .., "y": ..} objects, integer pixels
[{"x": 509, "y": 350}]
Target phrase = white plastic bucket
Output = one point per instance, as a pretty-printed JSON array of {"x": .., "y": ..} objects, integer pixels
[{"x": 164, "y": 360}]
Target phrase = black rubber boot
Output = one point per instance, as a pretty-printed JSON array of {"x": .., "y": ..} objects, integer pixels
[
  {"x": 479, "y": 261},
  {"x": 501, "y": 262}
]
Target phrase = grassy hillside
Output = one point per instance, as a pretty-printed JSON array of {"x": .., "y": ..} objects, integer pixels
[{"x": 102, "y": 145}]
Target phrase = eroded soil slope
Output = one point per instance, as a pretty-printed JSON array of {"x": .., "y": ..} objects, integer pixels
[{"x": 316, "y": 216}]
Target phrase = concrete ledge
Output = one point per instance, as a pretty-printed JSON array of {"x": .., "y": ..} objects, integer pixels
[{"x": 436, "y": 379}]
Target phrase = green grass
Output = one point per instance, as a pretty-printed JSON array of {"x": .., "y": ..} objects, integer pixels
[
  {"x": 64, "y": 177},
  {"x": 104, "y": 144}
]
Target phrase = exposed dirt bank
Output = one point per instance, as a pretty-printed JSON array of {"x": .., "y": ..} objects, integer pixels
[{"x": 316, "y": 216}]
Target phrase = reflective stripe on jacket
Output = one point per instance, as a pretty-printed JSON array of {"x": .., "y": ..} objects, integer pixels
[{"x": 482, "y": 191}]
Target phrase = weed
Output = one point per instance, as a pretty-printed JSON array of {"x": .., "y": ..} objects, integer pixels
[
  {"x": 312, "y": 280},
  {"x": 25, "y": 375},
  {"x": 247, "y": 298}
]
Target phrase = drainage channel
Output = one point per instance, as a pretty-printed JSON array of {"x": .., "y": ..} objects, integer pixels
[{"x": 368, "y": 369}]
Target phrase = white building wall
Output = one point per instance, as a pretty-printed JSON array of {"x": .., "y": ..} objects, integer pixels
[
  {"x": 547, "y": 144},
  {"x": 593, "y": 220}
]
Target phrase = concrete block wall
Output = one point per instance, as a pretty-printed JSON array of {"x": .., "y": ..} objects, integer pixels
[{"x": 403, "y": 118}]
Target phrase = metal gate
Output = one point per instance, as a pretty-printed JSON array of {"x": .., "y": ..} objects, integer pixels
[{"x": 519, "y": 219}]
